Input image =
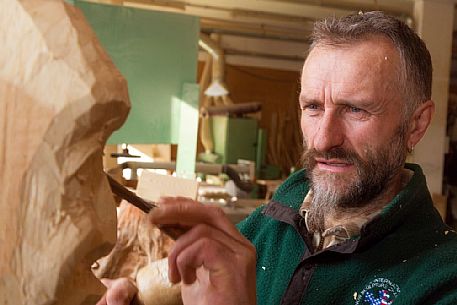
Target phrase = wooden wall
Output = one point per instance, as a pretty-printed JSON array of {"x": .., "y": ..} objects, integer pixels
[{"x": 278, "y": 92}]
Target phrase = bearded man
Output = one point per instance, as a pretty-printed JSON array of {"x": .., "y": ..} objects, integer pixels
[{"x": 357, "y": 224}]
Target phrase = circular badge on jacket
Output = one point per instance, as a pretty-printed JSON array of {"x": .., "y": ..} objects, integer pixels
[{"x": 380, "y": 291}]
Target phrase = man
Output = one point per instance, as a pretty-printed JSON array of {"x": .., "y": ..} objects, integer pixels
[{"x": 357, "y": 225}]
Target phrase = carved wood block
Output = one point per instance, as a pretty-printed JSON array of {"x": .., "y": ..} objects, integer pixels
[
  {"x": 141, "y": 254},
  {"x": 60, "y": 98},
  {"x": 141, "y": 248},
  {"x": 138, "y": 244}
]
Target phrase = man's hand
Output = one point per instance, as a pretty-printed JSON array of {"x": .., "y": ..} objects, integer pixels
[
  {"x": 214, "y": 262},
  {"x": 119, "y": 292}
]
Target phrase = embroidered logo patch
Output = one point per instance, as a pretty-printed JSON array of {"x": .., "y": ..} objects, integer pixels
[{"x": 380, "y": 291}]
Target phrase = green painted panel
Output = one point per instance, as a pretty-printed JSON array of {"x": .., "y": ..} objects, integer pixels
[
  {"x": 188, "y": 132},
  {"x": 157, "y": 53},
  {"x": 234, "y": 138},
  {"x": 260, "y": 149},
  {"x": 241, "y": 139},
  {"x": 219, "y": 130}
]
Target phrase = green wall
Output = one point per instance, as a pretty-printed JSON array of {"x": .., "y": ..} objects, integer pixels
[
  {"x": 157, "y": 54},
  {"x": 234, "y": 138}
]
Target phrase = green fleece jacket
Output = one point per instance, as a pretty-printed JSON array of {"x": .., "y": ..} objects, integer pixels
[{"x": 405, "y": 255}]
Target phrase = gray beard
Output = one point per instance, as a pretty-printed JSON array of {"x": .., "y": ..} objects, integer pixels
[
  {"x": 332, "y": 191},
  {"x": 325, "y": 199}
]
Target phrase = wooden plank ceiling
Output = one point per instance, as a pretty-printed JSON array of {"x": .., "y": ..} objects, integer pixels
[{"x": 266, "y": 33}]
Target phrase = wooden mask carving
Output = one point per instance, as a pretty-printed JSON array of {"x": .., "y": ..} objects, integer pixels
[{"x": 60, "y": 98}]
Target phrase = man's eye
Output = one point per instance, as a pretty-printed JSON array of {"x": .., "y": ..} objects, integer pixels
[
  {"x": 310, "y": 107},
  {"x": 356, "y": 112},
  {"x": 355, "y": 109}
]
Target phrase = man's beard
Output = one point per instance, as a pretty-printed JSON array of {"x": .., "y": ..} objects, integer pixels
[{"x": 373, "y": 173}]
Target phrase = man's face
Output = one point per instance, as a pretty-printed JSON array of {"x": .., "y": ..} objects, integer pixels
[{"x": 351, "y": 120}]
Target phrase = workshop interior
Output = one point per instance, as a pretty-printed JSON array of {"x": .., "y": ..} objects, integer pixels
[
  {"x": 214, "y": 89},
  {"x": 211, "y": 113}
]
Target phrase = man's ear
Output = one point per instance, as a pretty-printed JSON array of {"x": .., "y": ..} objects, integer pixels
[{"x": 420, "y": 121}]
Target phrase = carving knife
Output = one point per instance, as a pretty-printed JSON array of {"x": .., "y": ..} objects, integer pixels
[
  {"x": 130, "y": 196},
  {"x": 174, "y": 231}
]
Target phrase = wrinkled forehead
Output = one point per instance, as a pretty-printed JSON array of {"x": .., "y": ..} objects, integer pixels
[
  {"x": 372, "y": 62},
  {"x": 373, "y": 50}
]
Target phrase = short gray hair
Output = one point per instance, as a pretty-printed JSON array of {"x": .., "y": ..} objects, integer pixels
[{"x": 416, "y": 70}]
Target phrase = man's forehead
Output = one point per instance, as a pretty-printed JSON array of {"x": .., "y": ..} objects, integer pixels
[
  {"x": 363, "y": 71},
  {"x": 375, "y": 48},
  {"x": 373, "y": 55}
]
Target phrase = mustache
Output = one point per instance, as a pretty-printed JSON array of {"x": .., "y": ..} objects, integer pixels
[{"x": 309, "y": 156}]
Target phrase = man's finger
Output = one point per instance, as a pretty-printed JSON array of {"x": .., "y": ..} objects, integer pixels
[
  {"x": 188, "y": 213},
  {"x": 204, "y": 252},
  {"x": 107, "y": 282},
  {"x": 191, "y": 237},
  {"x": 120, "y": 291},
  {"x": 102, "y": 301}
]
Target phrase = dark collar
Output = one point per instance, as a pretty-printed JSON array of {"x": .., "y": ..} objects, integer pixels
[{"x": 399, "y": 210}]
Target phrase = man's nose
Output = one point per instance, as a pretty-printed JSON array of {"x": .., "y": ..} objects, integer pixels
[{"x": 330, "y": 132}]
